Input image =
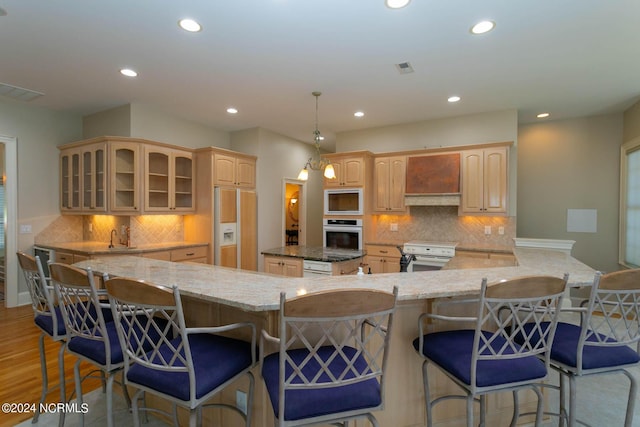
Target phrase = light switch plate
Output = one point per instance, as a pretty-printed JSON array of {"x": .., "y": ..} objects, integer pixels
[
  {"x": 487, "y": 229},
  {"x": 25, "y": 229}
]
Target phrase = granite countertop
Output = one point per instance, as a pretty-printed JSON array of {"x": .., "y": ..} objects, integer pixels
[
  {"x": 315, "y": 253},
  {"x": 465, "y": 262},
  {"x": 258, "y": 292},
  {"x": 102, "y": 248}
]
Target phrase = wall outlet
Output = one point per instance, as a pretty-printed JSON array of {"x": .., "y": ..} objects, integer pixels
[
  {"x": 393, "y": 227},
  {"x": 487, "y": 229},
  {"x": 90, "y": 227},
  {"x": 241, "y": 401},
  {"x": 501, "y": 230}
]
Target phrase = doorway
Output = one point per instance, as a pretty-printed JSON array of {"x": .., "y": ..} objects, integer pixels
[
  {"x": 9, "y": 214},
  {"x": 294, "y": 213}
]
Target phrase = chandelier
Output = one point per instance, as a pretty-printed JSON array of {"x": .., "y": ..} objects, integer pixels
[{"x": 320, "y": 163}]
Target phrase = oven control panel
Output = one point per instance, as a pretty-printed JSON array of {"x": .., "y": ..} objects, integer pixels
[{"x": 433, "y": 251}]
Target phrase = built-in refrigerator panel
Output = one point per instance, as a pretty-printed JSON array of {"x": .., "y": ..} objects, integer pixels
[{"x": 235, "y": 228}]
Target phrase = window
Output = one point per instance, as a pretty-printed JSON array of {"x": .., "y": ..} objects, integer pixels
[{"x": 629, "y": 253}]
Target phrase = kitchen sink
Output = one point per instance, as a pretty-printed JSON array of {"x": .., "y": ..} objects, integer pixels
[{"x": 122, "y": 248}]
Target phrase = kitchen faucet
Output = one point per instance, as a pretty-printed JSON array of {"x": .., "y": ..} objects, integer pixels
[{"x": 111, "y": 239}]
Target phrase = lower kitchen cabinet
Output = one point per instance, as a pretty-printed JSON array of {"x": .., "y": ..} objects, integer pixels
[
  {"x": 382, "y": 259},
  {"x": 193, "y": 254},
  {"x": 283, "y": 266}
]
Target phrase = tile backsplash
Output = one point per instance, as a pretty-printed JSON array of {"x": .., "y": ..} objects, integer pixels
[
  {"x": 442, "y": 224},
  {"x": 144, "y": 229}
]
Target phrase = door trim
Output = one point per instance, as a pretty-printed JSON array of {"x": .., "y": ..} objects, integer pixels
[{"x": 11, "y": 223}]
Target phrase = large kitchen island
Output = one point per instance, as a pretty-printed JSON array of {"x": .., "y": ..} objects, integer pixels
[{"x": 214, "y": 295}]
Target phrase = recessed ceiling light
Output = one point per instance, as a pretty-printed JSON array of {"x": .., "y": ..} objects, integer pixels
[
  {"x": 358, "y": 114},
  {"x": 232, "y": 110},
  {"x": 454, "y": 98},
  {"x": 396, "y": 4},
  {"x": 128, "y": 72},
  {"x": 483, "y": 27},
  {"x": 543, "y": 115},
  {"x": 189, "y": 25}
]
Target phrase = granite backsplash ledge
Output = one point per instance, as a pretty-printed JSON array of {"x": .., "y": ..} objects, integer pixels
[{"x": 442, "y": 224}]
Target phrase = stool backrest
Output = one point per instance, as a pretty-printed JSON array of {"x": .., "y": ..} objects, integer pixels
[
  {"x": 82, "y": 306},
  {"x": 517, "y": 318},
  {"x": 349, "y": 328},
  {"x": 613, "y": 311},
  {"x": 151, "y": 318},
  {"x": 39, "y": 290}
]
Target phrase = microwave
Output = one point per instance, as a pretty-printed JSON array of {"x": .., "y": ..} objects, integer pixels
[{"x": 343, "y": 201}]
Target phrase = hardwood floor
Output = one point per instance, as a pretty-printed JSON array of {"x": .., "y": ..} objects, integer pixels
[{"x": 20, "y": 378}]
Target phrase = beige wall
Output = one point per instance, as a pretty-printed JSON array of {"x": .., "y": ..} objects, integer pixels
[
  {"x": 571, "y": 164},
  {"x": 497, "y": 126},
  {"x": 112, "y": 122},
  {"x": 632, "y": 123},
  {"x": 280, "y": 157},
  {"x": 148, "y": 122},
  {"x": 38, "y": 132}
]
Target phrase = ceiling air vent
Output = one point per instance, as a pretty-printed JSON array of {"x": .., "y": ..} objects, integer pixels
[
  {"x": 18, "y": 93},
  {"x": 404, "y": 68}
]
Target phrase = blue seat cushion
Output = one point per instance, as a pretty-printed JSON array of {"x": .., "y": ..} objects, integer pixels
[
  {"x": 565, "y": 349},
  {"x": 216, "y": 359},
  {"x": 95, "y": 349},
  {"x": 45, "y": 322},
  {"x": 452, "y": 351},
  {"x": 302, "y": 404}
]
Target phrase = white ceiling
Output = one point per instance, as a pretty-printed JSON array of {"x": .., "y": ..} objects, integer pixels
[{"x": 571, "y": 58}]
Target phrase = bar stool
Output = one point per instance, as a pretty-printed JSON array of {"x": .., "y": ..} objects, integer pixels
[
  {"x": 187, "y": 366},
  {"x": 601, "y": 343},
  {"x": 48, "y": 319},
  {"x": 331, "y": 359},
  {"x": 486, "y": 359}
]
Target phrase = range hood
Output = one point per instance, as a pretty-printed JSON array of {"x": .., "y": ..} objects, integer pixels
[
  {"x": 433, "y": 180},
  {"x": 446, "y": 199}
]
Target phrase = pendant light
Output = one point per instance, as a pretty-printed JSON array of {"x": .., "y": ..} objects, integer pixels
[{"x": 320, "y": 163}]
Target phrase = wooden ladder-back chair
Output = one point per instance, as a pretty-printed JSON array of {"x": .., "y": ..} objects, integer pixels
[
  {"x": 332, "y": 357},
  {"x": 486, "y": 359},
  {"x": 186, "y": 366}
]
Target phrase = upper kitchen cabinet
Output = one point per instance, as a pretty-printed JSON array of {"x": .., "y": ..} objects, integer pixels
[
  {"x": 108, "y": 175},
  {"x": 351, "y": 169},
  {"x": 169, "y": 180},
  {"x": 389, "y": 174},
  {"x": 125, "y": 177},
  {"x": 83, "y": 179},
  {"x": 234, "y": 169},
  {"x": 484, "y": 181}
]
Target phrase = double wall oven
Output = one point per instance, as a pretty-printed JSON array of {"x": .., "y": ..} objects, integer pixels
[{"x": 342, "y": 233}]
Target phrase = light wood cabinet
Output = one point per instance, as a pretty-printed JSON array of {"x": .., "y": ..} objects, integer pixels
[
  {"x": 389, "y": 177},
  {"x": 484, "y": 181},
  {"x": 83, "y": 172},
  {"x": 169, "y": 180},
  {"x": 283, "y": 266},
  {"x": 193, "y": 254},
  {"x": 234, "y": 170},
  {"x": 382, "y": 259},
  {"x": 125, "y": 177},
  {"x": 350, "y": 171},
  {"x": 106, "y": 174},
  {"x": 70, "y": 192}
]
